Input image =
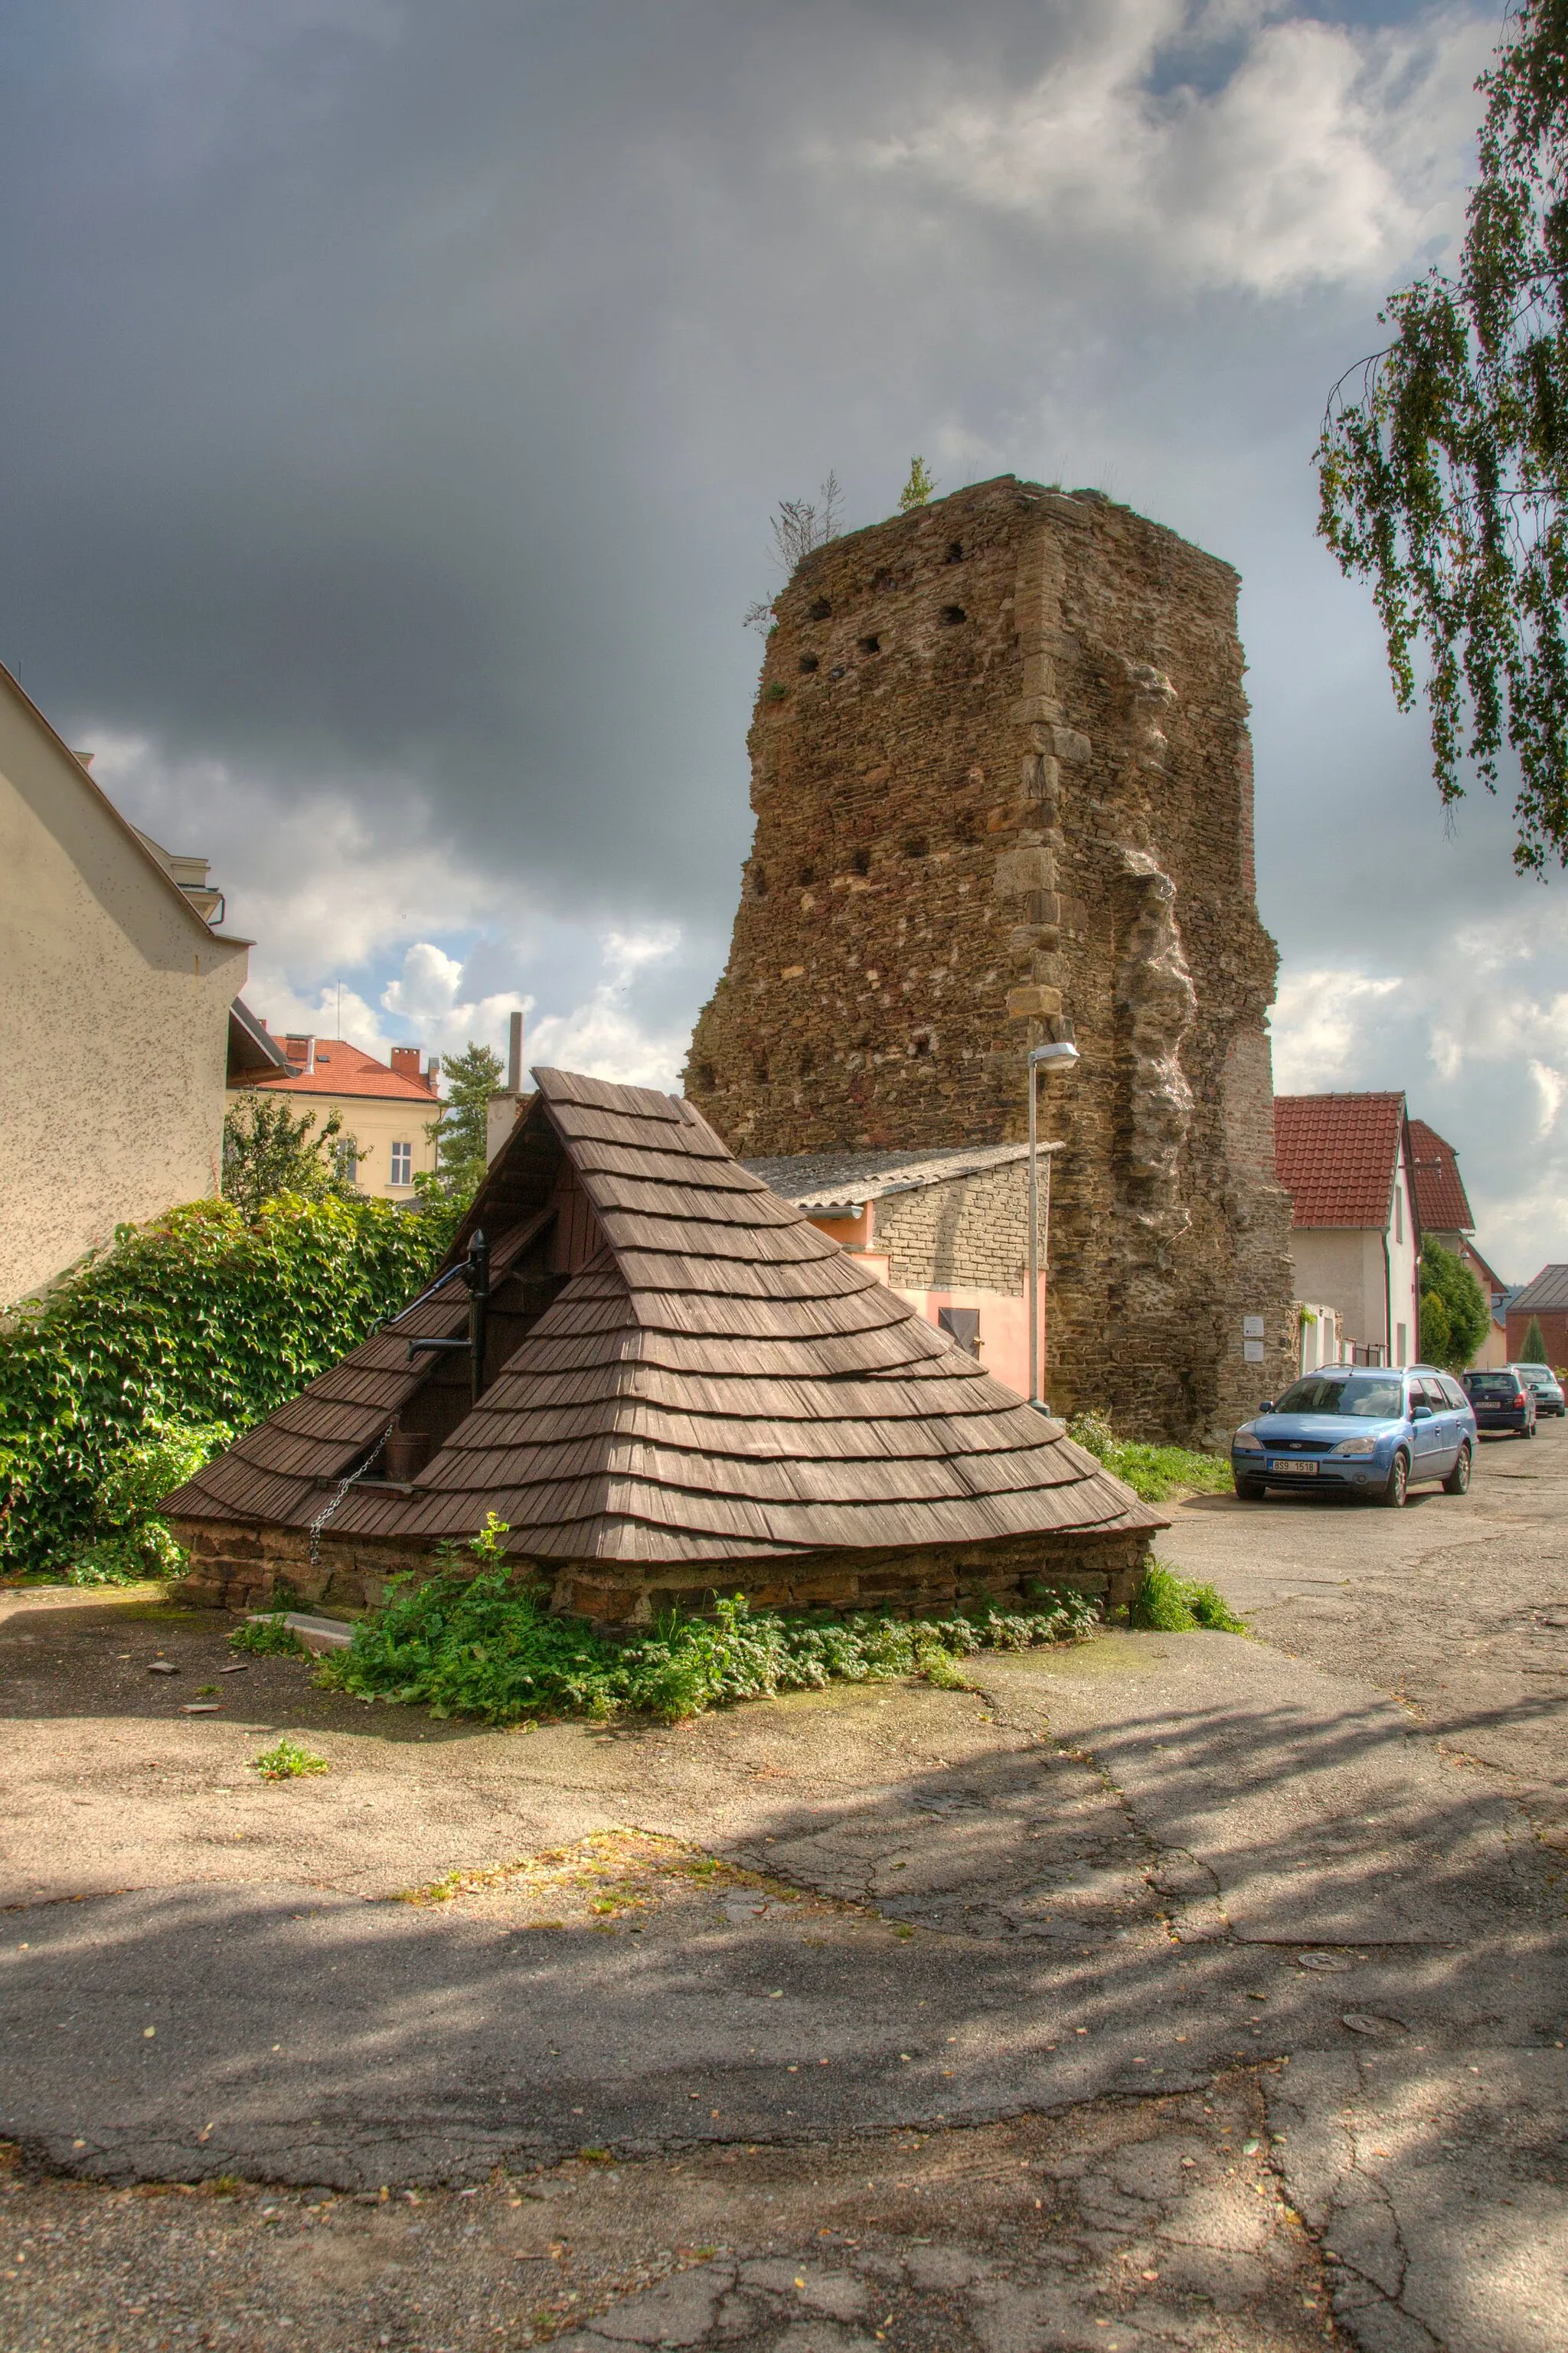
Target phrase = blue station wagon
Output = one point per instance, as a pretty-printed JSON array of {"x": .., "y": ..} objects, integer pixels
[{"x": 1373, "y": 1432}]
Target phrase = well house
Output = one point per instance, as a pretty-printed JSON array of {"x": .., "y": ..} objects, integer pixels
[{"x": 677, "y": 1388}]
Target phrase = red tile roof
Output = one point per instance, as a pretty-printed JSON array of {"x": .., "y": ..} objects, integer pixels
[
  {"x": 341, "y": 1070},
  {"x": 1441, "y": 1205},
  {"x": 1336, "y": 1156}
]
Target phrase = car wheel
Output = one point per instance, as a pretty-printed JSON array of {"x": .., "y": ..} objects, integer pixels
[
  {"x": 1457, "y": 1482},
  {"x": 1393, "y": 1495},
  {"x": 1251, "y": 1491}
]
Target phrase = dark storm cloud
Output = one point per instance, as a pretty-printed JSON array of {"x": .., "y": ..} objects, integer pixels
[
  {"x": 395, "y": 397},
  {"x": 400, "y": 392}
]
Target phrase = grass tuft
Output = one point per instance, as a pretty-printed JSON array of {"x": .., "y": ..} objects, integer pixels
[
  {"x": 1166, "y": 1603},
  {"x": 267, "y": 1638},
  {"x": 1154, "y": 1473},
  {"x": 287, "y": 1761}
]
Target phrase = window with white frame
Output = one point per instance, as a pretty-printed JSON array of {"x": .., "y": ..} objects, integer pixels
[{"x": 403, "y": 1164}]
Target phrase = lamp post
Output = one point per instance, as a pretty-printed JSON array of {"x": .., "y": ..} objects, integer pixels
[{"x": 1061, "y": 1049}]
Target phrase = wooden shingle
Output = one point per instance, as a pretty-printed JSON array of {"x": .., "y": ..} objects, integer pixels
[{"x": 716, "y": 1381}]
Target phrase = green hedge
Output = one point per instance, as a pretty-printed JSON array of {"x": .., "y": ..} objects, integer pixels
[{"x": 201, "y": 1322}]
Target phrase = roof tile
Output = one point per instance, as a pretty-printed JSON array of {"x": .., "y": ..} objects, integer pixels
[
  {"x": 1442, "y": 1205},
  {"x": 1336, "y": 1156}
]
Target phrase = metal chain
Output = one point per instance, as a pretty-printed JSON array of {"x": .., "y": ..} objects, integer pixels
[{"x": 320, "y": 1522}]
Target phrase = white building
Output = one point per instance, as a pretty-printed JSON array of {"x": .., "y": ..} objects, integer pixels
[{"x": 1346, "y": 1162}]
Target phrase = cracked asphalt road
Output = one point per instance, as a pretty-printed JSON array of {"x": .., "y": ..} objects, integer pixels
[{"x": 1117, "y": 1899}]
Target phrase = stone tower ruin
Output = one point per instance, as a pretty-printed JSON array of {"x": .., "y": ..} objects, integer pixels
[{"x": 1003, "y": 785}]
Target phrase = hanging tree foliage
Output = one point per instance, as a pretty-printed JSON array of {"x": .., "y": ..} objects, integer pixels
[{"x": 1443, "y": 464}]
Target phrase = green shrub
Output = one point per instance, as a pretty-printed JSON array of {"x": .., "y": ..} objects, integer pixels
[
  {"x": 200, "y": 1321},
  {"x": 136, "y": 1541},
  {"x": 1154, "y": 1473},
  {"x": 1166, "y": 1603},
  {"x": 1455, "y": 1314},
  {"x": 267, "y": 1638},
  {"x": 487, "y": 1646}
]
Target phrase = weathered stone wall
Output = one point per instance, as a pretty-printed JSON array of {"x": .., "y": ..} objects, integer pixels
[
  {"x": 1001, "y": 777},
  {"x": 239, "y": 1568}
]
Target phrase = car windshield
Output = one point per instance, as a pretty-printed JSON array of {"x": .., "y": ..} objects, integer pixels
[
  {"x": 1377, "y": 1396},
  {"x": 1537, "y": 1380},
  {"x": 1492, "y": 1385}
]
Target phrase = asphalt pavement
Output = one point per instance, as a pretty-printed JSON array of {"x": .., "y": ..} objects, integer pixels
[{"x": 1110, "y": 1882}]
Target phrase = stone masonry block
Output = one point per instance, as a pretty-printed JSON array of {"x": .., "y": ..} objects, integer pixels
[
  {"x": 1033, "y": 1002},
  {"x": 1022, "y": 871}
]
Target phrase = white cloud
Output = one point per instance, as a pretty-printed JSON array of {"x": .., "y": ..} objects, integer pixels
[
  {"x": 323, "y": 894},
  {"x": 1328, "y": 154},
  {"x": 1324, "y": 1026},
  {"x": 607, "y": 1037},
  {"x": 317, "y": 885},
  {"x": 1552, "y": 1086}
]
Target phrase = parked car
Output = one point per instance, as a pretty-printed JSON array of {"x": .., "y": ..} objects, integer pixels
[
  {"x": 1549, "y": 1398},
  {"x": 1502, "y": 1400},
  {"x": 1363, "y": 1431}
]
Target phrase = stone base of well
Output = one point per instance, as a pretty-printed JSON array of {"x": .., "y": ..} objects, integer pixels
[{"x": 240, "y": 1566}]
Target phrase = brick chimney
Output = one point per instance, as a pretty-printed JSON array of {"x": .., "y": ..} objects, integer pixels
[{"x": 405, "y": 1062}]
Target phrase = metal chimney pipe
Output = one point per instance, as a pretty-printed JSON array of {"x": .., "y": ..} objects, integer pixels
[
  {"x": 476, "y": 1274},
  {"x": 514, "y": 1056}
]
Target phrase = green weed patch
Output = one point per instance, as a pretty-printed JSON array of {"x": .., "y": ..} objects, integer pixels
[
  {"x": 486, "y": 1646},
  {"x": 287, "y": 1761},
  {"x": 267, "y": 1638},
  {"x": 1154, "y": 1473}
]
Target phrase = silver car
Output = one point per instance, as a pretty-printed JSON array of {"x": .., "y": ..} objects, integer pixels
[{"x": 1548, "y": 1388}]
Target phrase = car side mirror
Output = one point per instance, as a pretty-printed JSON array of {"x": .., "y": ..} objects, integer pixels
[
  {"x": 1420, "y": 1413},
  {"x": 1266, "y": 1407}
]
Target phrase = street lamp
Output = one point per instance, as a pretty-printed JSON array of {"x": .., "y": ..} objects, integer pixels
[{"x": 1058, "y": 1049}]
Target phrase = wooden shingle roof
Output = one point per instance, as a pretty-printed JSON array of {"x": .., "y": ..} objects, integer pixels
[{"x": 719, "y": 1381}]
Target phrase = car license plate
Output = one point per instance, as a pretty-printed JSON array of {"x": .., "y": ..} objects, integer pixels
[{"x": 1296, "y": 1469}]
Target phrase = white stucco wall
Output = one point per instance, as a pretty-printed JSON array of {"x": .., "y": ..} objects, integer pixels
[
  {"x": 115, "y": 997},
  {"x": 1403, "y": 1263},
  {"x": 1344, "y": 1267}
]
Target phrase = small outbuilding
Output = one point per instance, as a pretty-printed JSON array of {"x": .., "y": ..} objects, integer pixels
[{"x": 669, "y": 1385}]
